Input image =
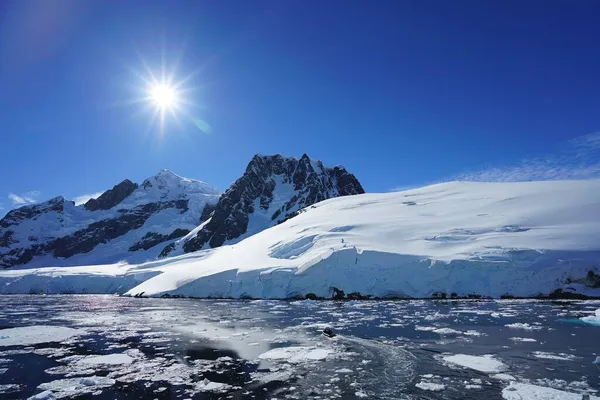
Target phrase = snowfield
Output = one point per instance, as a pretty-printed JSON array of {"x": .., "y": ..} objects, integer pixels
[{"x": 489, "y": 239}]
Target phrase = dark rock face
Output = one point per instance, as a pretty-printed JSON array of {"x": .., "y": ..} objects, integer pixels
[
  {"x": 208, "y": 211},
  {"x": 255, "y": 191},
  {"x": 111, "y": 197},
  {"x": 101, "y": 232},
  {"x": 151, "y": 239}
]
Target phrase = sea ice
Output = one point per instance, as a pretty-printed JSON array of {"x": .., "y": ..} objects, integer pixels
[
  {"x": 296, "y": 354},
  {"x": 552, "y": 356},
  {"x": 434, "y": 387},
  {"x": 71, "y": 387},
  {"x": 36, "y": 334},
  {"x": 525, "y": 326},
  {"x": 109, "y": 359},
  {"x": 592, "y": 319},
  {"x": 486, "y": 363},
  {"x": 520, "y": 391},
  {"x": 522, "y": 339}
]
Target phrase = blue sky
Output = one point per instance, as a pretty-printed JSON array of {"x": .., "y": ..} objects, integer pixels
[{"x": 402, "y": 93}]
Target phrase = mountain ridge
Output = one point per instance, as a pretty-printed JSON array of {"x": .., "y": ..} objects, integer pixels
[{"x": 137, "y": 222}]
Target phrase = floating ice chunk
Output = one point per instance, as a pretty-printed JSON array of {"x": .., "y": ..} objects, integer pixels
[
  {"x": 525, "y": 326},
  {"x": 343, "y": 371},
  {"x": 63, "y": 388},
  {"x": 361, "y": 395},
  {"x": 9, "y": 388},
  {"x": 520, "y": 391},
  {"x": 597, "y": 361},
  {"x": 592, "y": 319},
  {"x": 425, "y": 328},
  {"x": 296, "y": 354},
  {"x": 447, "y": 331},
  {"x": 28, "y": 335},
  {"x": 503, "y": 377},
  {"x": 486, "y": 363},
  {"x": 434, "y": 387},
  {"x": 471, "y": 386},
  {"x": 552, "y": 356},
  {"x": 45, "y": 395},
  {"x": 472, "y": 333},
  {"x": 208, "y": 386},
  {"x": 522, "y": 339},
  {"x": 109, "y": 359}
]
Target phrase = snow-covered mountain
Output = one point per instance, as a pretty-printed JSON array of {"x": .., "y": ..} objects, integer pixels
[
  {"x": 126, "y": 222},
  {"x": 167, "y": 214},
  {"x": 271, "y": 190},
  {"x": 462, "y": 238}
]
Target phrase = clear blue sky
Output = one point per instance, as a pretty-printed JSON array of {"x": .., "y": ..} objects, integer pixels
[{"x": 400, "y": 92}]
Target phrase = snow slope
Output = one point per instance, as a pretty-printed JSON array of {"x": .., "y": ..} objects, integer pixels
[{"x": 459, "y": 237}]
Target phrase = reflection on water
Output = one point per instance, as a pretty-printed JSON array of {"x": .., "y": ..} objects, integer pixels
[{"x": 178, "y": 348}]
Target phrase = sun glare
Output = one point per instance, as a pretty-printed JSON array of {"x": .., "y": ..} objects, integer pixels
[
  {"x": 166, "y": 97},
  {"x": 163, "y": 96}
]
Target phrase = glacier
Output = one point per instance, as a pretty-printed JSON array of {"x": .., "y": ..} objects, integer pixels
[{"x": 455, "y": 238}]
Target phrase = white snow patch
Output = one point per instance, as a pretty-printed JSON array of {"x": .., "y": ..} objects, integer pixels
[
  {"x": 36, "y": 334},
  {"x": 486, "y": 363}
]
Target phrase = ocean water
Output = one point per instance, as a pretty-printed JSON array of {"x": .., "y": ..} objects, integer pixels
[{"x": 215, "y": 349}]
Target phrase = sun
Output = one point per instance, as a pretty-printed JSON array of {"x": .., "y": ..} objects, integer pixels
[{"x": 163, "y": 96}]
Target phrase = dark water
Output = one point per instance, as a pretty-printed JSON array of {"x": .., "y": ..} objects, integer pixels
[{"x": 178, "y": 349}]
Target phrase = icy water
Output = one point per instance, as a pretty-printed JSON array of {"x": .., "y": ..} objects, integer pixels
[{"x": 183, "y": 348}]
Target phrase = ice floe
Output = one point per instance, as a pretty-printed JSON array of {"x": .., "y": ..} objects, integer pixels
[
  {"x": 486, "y": 363},
  {"x": 553, "y": 356},
  {"x": 524, "y": 326},
  {"x": 522, "y": 339},
  {"x": 71, "y": 387},
  {"x": 296, "y": 354},
  {"x": 520, "y": 391},
  {"x": 435, "y": 387},
  {"x": 109, "y": 359},
  {"x": 29, "y": 335},
  {"x": 592, "y": 319}
]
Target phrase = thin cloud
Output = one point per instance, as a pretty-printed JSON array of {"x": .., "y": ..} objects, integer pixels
[
  {"x": 82, "y": 199},
  {"x": 25, "y": 198},
  {"x": 402, "y": 188},
  {"x": 579, "y": 160}
]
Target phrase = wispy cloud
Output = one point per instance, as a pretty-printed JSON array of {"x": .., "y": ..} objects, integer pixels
[
  {"x": 579, "y": 160},
  {"x": 82, "y": 199},
  {"x": 406, "y": 187},
  {"x": 25, "y": 198}
]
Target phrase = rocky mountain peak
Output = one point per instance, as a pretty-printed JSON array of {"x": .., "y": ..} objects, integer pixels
[
  {"x": 273, "y": 189},
  {"x": 111, "y": 197}
]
